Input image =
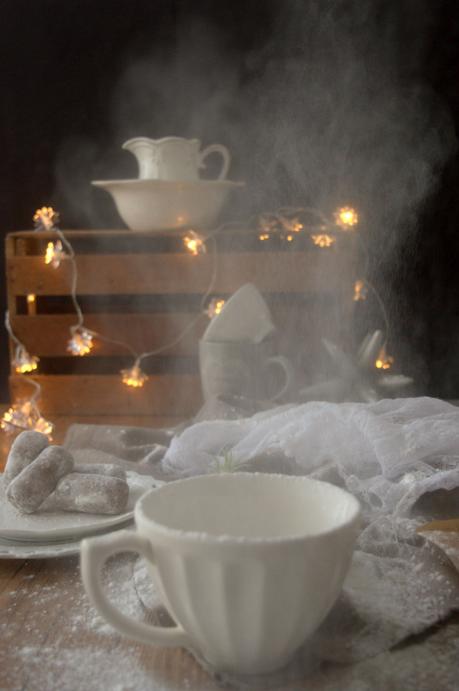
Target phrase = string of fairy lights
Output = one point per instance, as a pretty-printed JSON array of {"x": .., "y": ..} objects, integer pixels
[{"x": 283, "y": 225}]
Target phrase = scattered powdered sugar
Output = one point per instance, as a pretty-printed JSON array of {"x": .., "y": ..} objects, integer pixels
[
  {"x": 82, "y": 652},
  {"x": 119, "y": 587},
  {"x": 90, "y": 668}
]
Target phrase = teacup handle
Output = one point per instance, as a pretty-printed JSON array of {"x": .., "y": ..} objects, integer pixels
[
  {"x": 287, "y": 367},
  {"x": 94, "y": 554},
  {"x": 223, "y": 151}
]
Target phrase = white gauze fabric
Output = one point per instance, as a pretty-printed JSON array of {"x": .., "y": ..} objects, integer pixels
[{"x": 388, "y": 453}]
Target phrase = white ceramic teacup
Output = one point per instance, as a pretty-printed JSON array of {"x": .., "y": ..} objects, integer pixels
[
  {"x": 248, "y": 564},
  {"x": 174, "y": 158},
  {"x": 232, "y": 368}
]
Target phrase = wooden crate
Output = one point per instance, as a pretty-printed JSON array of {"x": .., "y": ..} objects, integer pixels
[{"x": 144, "y": 289}]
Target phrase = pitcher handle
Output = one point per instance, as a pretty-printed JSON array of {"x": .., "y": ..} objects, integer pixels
[
  {"x": 94, "y": 554},
  {"x": 223, "y": 151},
  {"x": 287, "y": 367}
]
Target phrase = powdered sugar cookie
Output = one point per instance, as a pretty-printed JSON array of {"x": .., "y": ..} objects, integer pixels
[
  {"x": 38, "y": 480},
  {"x": 25, "y": 449},
  {"x": 89, "y": 493}
]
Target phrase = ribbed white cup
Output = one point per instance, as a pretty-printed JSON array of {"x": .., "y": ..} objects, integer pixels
[{"x": 248, "y": 564}]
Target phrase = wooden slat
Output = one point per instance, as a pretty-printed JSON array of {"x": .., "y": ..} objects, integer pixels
[
  {"x": 318, "y": 271},
  {"x": 47, "y": 335},
  {"x": 95, "y": 234},
  {"x": 164, "y": 395},
  {"x": 134, "y": 235}
]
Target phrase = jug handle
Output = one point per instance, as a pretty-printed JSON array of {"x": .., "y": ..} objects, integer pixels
[
  {"x": 223, "y": 151},
  {"x": 289, "y": 372}
]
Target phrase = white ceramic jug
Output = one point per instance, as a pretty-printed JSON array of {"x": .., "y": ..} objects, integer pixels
[{"x": 173, "y": 158}]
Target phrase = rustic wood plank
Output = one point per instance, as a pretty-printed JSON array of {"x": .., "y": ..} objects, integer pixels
[
  {"x": 162, "y": 395},
  {"x": 95, "y": 234},
  {"x": 47, "y": 335},
  {"x": 118, "y": 233},
  {"x": 324, "y": 271}
]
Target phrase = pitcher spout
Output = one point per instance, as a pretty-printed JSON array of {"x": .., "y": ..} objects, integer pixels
[{"x": 144, "y": 149}]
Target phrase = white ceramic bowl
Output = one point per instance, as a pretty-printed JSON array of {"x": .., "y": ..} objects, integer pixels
[{"x": 149, "y": 205}]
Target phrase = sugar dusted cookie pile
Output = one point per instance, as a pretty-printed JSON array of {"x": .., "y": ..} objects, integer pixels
[{"x": 42, "y": 477}]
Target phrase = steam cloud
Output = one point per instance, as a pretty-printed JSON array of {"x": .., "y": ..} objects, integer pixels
[{"x": 328, "y": 107}]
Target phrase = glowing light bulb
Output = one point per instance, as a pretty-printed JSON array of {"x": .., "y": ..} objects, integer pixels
[
  {"x": 384, "y": 361},
  {"x": 44, "y": 426},
  {"x": 134, "y": 376},
  {"x": 24, "y": 416},
  {"x": 323, "y": 240},
  {"x": 45, "y": 218},
  {"x": 360, "y": 291},
  {"x": 214, "y": 307},
  {"x": 266, "y": 225},
  {"x": 263, "y": 237},
  {"x": 346, "y": 217},
  {"x": 289, "y": 238},
  {"x": 23, "y": 362},
  {"x": 81, "y": 342},
  {"x": 292, "y": 225},
  {"x": 54, "y": 253},
  {"x": 194, "y": 243},
  {"x": 31, "y": 304}
]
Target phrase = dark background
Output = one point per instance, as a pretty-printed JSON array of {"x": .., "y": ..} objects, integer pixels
[{"x": 62, "y": 62}]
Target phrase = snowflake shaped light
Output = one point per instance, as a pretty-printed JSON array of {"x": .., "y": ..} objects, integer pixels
[
  {"x": 214, "y": 307},
  {"x": 25, "y": 416},
  {"x": 80, "y": 342},
  {"x": 54, "y": 254},
  {"x": 360, "y": 291},
  {"x": 323, "y": 240},
  {"x": 346, "y": 217},
  {"x": 23, "y": 362},
  {"x": 134, "y": 376},
  {"x": 194, "y": 243},
  {"x": 46, "y": 218}
]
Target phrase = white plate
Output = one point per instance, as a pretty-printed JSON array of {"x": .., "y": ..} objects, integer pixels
[
  {"x": 37, "y": 551},
  {"x": 46, "y": 527}
]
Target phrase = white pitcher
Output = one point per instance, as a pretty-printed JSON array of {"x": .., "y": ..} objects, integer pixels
[{"x": 173, "y": 158}]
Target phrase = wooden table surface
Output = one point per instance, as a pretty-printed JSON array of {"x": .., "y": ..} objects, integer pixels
[{"x": 52, "y": 639}]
